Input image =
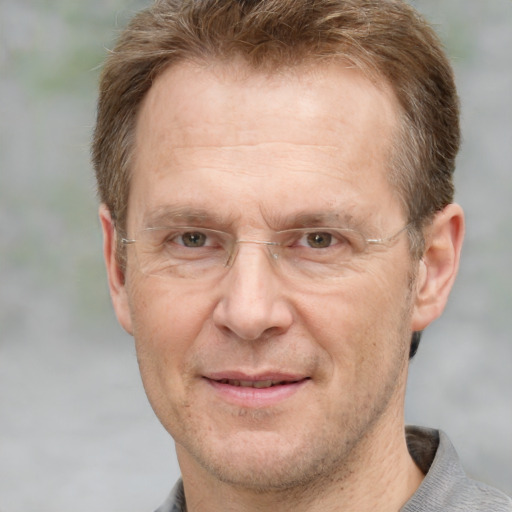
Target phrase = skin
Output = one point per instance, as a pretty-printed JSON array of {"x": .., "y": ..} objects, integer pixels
[{"x": 209, "y": 139}]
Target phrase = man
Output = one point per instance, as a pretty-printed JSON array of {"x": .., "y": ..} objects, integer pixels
[{"x": 278, "y": 218}]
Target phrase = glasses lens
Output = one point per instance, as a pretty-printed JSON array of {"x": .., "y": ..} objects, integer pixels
[
  {"x": 182, "y": 251},
  {"x": 318, "y": 253}
]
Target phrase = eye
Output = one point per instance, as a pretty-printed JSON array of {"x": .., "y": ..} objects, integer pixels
[
  {"x": 327, "y": 238},
  {"x": 191, "y": 239},
  {"x": 319, "y": 240}
]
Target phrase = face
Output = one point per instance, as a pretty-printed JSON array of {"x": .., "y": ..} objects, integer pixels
[{"x": 252, "y": 154}]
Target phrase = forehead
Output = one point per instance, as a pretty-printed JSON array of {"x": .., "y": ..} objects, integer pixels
[
  {"x": 227, "y": 125},
  {"x": 221, "y": 95}
]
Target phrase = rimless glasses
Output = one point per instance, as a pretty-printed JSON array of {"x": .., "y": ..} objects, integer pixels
[{"x": 192, "y": 252}]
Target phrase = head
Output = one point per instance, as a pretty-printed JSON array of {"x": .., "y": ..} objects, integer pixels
[{"x": 254, "y": 118}]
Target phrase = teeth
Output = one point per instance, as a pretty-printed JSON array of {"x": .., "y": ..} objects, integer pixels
[
  {"x": 262, "y": 384},
  {"x": 259, "y": 384}
]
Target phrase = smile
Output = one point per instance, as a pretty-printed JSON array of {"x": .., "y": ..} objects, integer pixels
[
  {"x": 254, "y": 392},
  {"x": 258, "y": 384}
]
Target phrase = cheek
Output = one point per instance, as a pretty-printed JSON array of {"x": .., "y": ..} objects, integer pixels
[
  {"x": 363, "y": 326},
  {"x": 166, "y": 324},
  {"x": 163, "y": 316}
]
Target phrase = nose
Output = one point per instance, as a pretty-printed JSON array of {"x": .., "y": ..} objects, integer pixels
[{"x": 253, "y": 302}]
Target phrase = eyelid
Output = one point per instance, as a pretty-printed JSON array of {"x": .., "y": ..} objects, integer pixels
[
  {"x": 318, "y": 229},
  {"x": 185, "y": 229}
]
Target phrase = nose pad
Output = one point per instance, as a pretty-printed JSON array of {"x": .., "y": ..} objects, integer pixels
[{"x": 233, "y": 253}]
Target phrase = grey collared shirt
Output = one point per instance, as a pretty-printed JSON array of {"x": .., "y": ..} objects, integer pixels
[{"x": 445, "y": 488}]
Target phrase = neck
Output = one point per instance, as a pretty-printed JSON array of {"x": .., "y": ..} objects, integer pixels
[{"x": 380, "y": 475}]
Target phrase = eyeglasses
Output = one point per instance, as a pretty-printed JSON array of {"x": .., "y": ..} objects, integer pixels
[{"x": 192, "y": 252}]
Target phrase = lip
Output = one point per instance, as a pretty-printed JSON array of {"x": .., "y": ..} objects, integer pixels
[{"x": 225, "y": 386}]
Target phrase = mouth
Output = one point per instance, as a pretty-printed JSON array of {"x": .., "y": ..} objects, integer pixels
[
  {"x": 255, "y": 391},
  {"x": 257, "y": 384}
]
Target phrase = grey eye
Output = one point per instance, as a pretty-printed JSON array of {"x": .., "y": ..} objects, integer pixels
[
  {"x": 193, "y": 239},
  {"x": 319, "y": 240}
]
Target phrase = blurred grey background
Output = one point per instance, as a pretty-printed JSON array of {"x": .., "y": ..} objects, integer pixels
[{"x": 76, "y": 432}]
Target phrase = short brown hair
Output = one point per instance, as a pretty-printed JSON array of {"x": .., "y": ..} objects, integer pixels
[{"x": 385, "y": 39}]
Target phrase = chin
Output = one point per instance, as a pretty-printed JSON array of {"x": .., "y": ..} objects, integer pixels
[
  {"x": 271, "y": 475},
  {"x": 266, "y": 462}
]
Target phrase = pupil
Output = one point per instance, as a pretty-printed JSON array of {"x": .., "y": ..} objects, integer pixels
[
  {"x": 319, "y": 240},
  {"x": 194, "y": 239}
]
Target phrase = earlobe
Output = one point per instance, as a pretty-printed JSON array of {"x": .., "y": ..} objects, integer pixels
[
  {"x": 115, "y": 274},
  {"x": 438, "y": 266}
]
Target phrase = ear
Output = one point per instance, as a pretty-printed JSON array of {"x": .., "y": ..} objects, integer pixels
[
  {"x": 115, "y": 274},
  {"x": 439, "y": 265}
]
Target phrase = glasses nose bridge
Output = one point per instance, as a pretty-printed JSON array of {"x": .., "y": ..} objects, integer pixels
[{"x": 236, "y": 246}]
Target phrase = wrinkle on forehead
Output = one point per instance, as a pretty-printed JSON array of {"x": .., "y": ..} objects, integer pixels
[{"x": 264, "y": 159}]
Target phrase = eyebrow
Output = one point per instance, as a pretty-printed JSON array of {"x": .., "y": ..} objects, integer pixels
[
  {"x": 185, "y": 215},
  {"x": 171, "y": 215},
  {"x": 317, "y": 219}
]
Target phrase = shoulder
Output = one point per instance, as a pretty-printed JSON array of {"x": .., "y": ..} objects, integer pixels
[
  {"x": 479, "y": 497},
  {"x": 446, "y": 486}
]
